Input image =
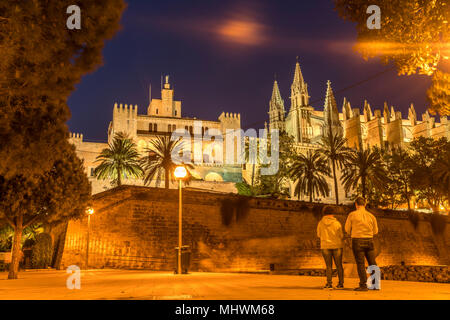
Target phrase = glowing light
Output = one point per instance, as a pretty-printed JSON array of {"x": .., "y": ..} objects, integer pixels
[
  {"x": 241, "y": 31},
  {"x": 90, "y": 210},
  {"x": 180, "y": 172}
]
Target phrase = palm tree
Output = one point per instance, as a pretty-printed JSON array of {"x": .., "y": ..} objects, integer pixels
[
  {"x": 310, "y": 171},
  {"x": 333, "y": 147},
  {"x": 158, "y": 161},
  {"x": 247, "y": 154},
  {"x": 120, "y": 159},
  {"x": 363, "y": 166}
]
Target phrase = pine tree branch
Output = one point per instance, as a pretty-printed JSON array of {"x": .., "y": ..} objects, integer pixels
[
  {"x": 29, "y": 223},
  {"x": 10, "y": 222}
]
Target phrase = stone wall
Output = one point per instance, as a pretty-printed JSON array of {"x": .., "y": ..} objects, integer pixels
[{"x": 137, "y": 227}]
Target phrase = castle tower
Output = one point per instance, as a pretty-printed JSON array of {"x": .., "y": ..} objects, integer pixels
[
  {"x": 166, "y": 106},
  {"x": 124, "y": 120},
  {"x": 276, "y": 109},
  {"x": 331, "y": 113},
  {"x": 230, "y": 125},
  {"x": 393, "y": 127}
]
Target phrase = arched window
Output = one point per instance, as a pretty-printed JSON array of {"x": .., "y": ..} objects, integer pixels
[
  {"x": 170, "y": 128},
  {"x": 155, "y": 127},
  {"x": 190, "y": 130},
  {"x": 156, "y": 110},
  {"x": 174, "y": 127},
  {"x": 175, "y": 112},
  {"x": 150, "y": 127}
]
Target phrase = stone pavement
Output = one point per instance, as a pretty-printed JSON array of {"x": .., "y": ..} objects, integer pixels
[{"x": 125, "y": 284}]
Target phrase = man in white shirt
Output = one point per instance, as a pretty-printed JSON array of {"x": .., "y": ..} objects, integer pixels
[{"x": 361, "y": 225}]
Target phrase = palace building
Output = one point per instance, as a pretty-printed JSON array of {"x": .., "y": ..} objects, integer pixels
[{"x": 164, "y": 116}]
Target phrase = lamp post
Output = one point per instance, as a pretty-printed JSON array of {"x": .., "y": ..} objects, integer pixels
[
  {"x": 180, "y": 173},
  {"x": 90, "y": 212}
]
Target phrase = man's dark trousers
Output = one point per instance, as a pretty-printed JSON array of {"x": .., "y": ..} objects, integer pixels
[{"x": 363, "y": 248}]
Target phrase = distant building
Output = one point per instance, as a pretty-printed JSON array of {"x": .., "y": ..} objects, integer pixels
[
  {"x": 163, "y": 117},
  {"x": 383, "y": 128}
]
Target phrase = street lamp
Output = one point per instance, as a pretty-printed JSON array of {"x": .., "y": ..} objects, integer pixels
[
  {"x": 90, "y": 212},
  {"x": 180, "y": 173}
]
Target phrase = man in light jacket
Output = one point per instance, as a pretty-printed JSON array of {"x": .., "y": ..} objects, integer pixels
[
  {"x": 329, "y": 230},
  {"x": 361, "y": 225}
]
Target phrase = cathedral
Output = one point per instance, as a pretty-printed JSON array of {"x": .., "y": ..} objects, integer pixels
[{"x": 383, "y": 128}]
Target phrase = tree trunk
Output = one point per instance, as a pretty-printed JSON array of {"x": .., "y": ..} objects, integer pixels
[
  {"x": 253, "y": 173},
  {"x": 16, "y": 248},
  {"x": 335, "y": 182},
  {"x": 363, "y": 184},
  {"x": 119, "y": 177},
  {"x": 166, "y": 178},
  {"x": 310, "y": 192},
  {"x": 407, "y": 197}
]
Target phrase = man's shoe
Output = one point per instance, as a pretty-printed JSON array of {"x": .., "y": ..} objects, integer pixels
[
  {"x": 328, "y": 287},
  {"x": 340, "y": 286},
  {"x": 361, "y": 289}
]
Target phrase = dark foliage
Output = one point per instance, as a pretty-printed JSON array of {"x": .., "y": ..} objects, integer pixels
[{"x": 41, "y": 256}]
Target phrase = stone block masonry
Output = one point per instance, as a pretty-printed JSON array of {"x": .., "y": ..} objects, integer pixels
[{"x": 137, "y": 228}]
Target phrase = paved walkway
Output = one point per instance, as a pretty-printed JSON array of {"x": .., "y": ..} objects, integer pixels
[{"x": 121, "y": 284}]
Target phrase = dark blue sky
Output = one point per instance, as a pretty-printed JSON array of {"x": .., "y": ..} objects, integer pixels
[{"x": 222, "y": 56}]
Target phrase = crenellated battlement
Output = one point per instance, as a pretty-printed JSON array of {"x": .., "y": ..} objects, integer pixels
[
  {"x": 76, "y": 137},
  {"x": 121, "y": 108},
  {"x": 230, "y": 115}
]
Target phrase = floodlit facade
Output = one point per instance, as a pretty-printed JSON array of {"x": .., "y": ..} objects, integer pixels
[
  {"x": 383, "y": 128},
  {"x": 163, "y": 118}
]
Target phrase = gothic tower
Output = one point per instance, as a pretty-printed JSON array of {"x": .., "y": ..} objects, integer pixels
[
  {"x": 299, "y": 89},
  {"x": 298, "y": 122},
  {"x": 276, "y": 110},
  {"x": 331, "y": 113}
]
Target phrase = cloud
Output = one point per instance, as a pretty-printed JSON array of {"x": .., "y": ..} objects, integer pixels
[{"x": 242, "y": 32}]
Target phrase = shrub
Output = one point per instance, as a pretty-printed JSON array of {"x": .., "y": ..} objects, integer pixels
[{"x": 41, "y": 255}]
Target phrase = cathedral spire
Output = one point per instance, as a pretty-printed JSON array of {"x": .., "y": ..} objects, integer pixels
[
  {"x": 276, "y": 100},
  {"x": 276, "y": 109},
  {"x": 299, "y": 89},
  {"x": 298, "y": 77},
  {"x": 330, "y": 112}
]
